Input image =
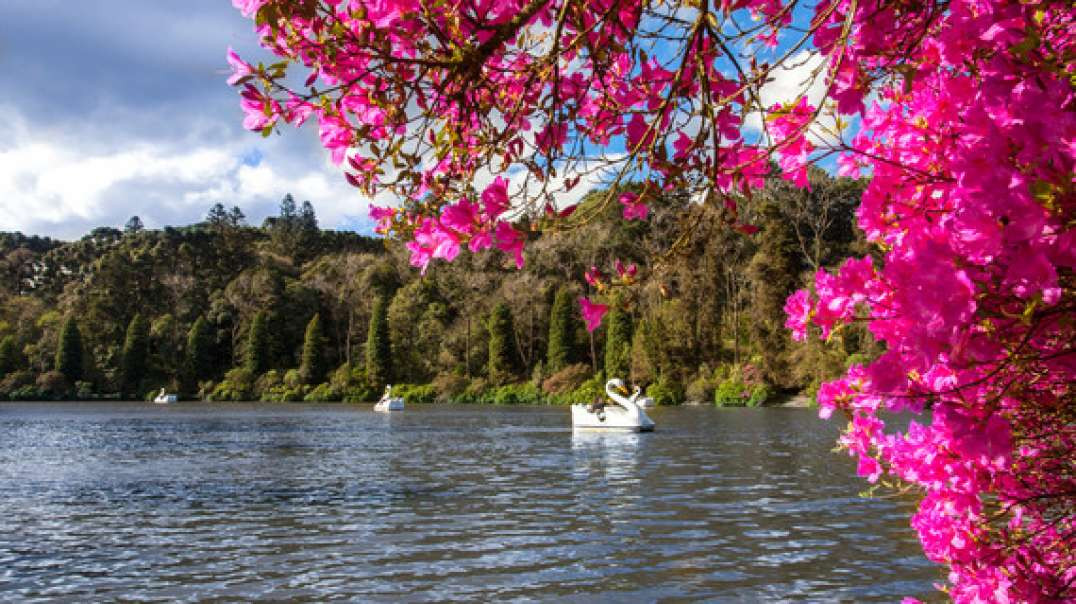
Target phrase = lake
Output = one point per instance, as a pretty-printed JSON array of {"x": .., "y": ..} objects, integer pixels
[{"x": 305, "y": 502}]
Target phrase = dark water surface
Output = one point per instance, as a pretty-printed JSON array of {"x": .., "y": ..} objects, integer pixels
[{"x": 186, "y": 502}]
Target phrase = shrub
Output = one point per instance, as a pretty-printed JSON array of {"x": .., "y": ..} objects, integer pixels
[
  {"x": 514, "y": 394},
  {"x": 744, "y": 386},
  {"x": 84, "y": 391},
  {"x": 293, "y": 379},
  {"x": 267, "y": 382},
  {"x": 567, "y": 379},
  {"x": 359, "y": 394},
  {"x": 449, "y": 386},
  {"x": 324, "y": 392},
  {"x": 414, "y": 393},
  {"x": 475, "y": 391},
  {"x": 701, "y": 389},
  {"x": 587, "y": 392},
  {"x": 14, "y": 381},
  {"x": 237, "y": 385},
  {"x": 665, "y": 392},
  {"x": 53, "y": 385}
]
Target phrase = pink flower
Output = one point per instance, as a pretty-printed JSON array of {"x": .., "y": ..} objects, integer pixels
[
  {"x": 240, "y": 68},
  {"x": 798, "y": 309},
  {"x": 633, "y": 207},
  {"x": 510, "y": 241},
  {"x": 495, "y": 198},
  {"x": 248, "y": 7},
  {"x": 592, "y": 313},
  {"x": 593, "y": 276},
  {"x": 626, "y": 273}
]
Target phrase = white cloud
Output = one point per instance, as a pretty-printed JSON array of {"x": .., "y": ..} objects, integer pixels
[
  {"x": 51, "y": 186},
  {"x": 803, "y": 73}
]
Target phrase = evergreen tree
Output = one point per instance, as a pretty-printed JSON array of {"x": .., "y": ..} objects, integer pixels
[
  {"x": 135, "y": 351},
  {"x": 308, "y": 220},
  {"x": 258, "y": 344},
  {"x": 503, "y": 357},
  {"x": 236, "y": 218},
  {"x": 217, "y": 216},
  {"x": 313, "y": 366},
  {"x": 378, "y": 347},
  {"x": 200, "y": 350},
  {"x": 134, "y": 225},
  {"x": 563, "y": 348},
  {"x": 618, "y": 339},
  {"x": 10, "y": 356},
  {"x": 69, "y": 351},
  {"x": 773, "y": 273}
]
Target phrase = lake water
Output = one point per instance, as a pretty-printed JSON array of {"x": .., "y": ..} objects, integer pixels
[{"x": 299, "y": 502}]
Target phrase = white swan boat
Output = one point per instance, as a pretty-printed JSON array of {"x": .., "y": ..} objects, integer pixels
[
  {"x": 389, "y": 402},
  {"x": 623, "y": 414},
  {"x": 163, "y": 398}
]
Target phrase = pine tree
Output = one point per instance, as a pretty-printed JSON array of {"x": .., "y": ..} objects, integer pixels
[
  {"x": 258, "y": 344},
  {"x": 563, "y": 348},
  {"x": 773, "y": 273},
  {"x": 503, "y": 358},
  {"x": 135, "y": 350},
  {"x": 378, "y": 346},
  {"x": 200, "y": 350},
  {"x": 10, "y": 356},
  {"x": 313, "y": 366},
  {"x": 618, "y": 344},
  {"x": 69, "y": 351}
]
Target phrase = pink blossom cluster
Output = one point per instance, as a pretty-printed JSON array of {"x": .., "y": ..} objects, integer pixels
[
  {"x": 972, "y": 154},
  {"x": 441, "y": 91}
]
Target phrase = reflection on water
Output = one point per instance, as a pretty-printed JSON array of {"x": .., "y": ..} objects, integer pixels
[{"x": 308, "y": 502}]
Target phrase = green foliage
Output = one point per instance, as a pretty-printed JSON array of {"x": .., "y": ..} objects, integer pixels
[
  {"x": 589, "y": 391},
  {"x": 701, "y": 388},
  {"x": 563, "y": 348},
  {"x": 665, "y": 392},
  {"x": 566, "y": 380},
  {"x": 503, "y": 356},
  {"x": 514, "y": 394},
  {"x": 744, "y": 386},
  {"x": 618, "y": 337},
  {"x": 135, "y": 353},
  {"x": 323, "y": 393},
  {"x": 774, "y": 274},
  {"x": 449, "y": 386},
  {"x": 53, "y": 386},
  {"x": 415, "y": 393},
  {"x": 313, "y": 366},
  {"x": 199, "y": 358},
  {"x": 10, "y": 355},
  {"x": 259, "y": 345},
  {"x": 237, "y": 385},
  {"x": 69, "y": 352},
  {"x": 378, "y": 346}
]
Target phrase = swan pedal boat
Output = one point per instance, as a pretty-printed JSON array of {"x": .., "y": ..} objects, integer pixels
[
  {"x": 163, "y": 398},
  {"x": 389, "y": 402},
  {"x": 625, "y": 414}
]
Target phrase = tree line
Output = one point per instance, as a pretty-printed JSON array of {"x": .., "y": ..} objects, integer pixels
[{"x": 223, "y": 310}]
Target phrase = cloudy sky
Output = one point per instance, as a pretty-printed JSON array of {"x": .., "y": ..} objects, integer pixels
[{"x": 114, "y": 108}]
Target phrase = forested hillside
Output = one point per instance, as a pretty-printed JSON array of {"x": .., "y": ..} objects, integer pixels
[{"x": 222, "y": 310}]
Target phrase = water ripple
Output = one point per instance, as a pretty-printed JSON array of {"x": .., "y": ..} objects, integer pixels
[{"x": 323, "y": 503}]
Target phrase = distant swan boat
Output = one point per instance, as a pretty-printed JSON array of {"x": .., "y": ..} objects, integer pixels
[
  {"x": 623, "y": 414},
  {"x": 389, "y": 402},
  {"x": 164, "y": 398}
]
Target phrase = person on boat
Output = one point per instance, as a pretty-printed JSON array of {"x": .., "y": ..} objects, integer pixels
[{"x": 597, "y": 406}]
